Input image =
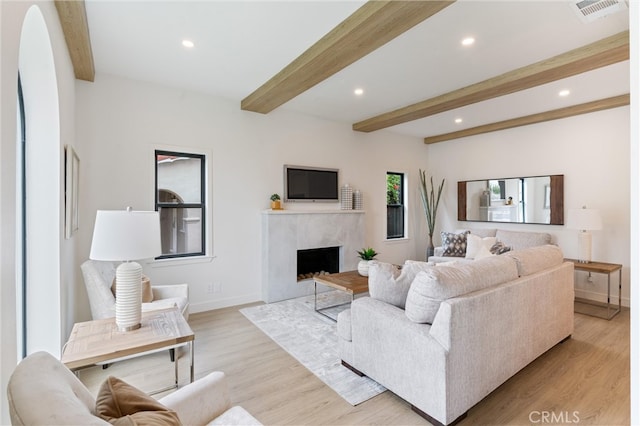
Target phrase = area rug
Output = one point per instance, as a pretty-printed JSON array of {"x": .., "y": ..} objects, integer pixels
[{"x": 311, "y": 339}]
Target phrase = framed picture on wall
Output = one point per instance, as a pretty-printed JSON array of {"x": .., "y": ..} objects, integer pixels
[{"x": 71, "y": 190}]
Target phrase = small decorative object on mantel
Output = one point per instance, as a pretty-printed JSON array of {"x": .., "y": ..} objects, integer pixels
[
  {"x": 346, "y": 197},
  {"x": 367, "y": 255},
  {"x": 275, "y": 202},
  {"x": 357, "y": 200},
  {"x": 430, "y": 203}
]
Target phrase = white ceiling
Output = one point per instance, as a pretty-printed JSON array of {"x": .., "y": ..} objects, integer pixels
[{"x": 239, "y": 45}]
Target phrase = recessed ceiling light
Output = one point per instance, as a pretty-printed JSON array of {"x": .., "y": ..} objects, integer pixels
[
  {"x": 358, "y": 92},
  {"x": 187, "y": 43},
  {"x": 468, "y": 41},
  {"x": 564, "y": 92},
  {"x": 458, "y": 120}
]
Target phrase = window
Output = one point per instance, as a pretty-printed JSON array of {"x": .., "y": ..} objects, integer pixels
[
  {"x": 395, "y": 205},
  {"x": 180, "y": 200}
]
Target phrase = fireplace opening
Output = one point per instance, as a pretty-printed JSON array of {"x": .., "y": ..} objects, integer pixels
[{"x": 317, "y": 261}]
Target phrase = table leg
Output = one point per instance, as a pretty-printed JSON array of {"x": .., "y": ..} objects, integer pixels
[
  {"x": 315, "y": 295},
  {"x": 608, "y": 294},
  {"x": 191, "y": 343},
  {"x": 175, "y": 366}
]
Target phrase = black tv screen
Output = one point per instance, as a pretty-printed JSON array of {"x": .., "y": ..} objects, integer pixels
[{"x": 310, "y": 184}]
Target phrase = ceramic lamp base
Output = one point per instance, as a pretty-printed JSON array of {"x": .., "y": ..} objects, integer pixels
[
  {"x": 584, "y": 240},
  {"x": 128, "y": 296}
]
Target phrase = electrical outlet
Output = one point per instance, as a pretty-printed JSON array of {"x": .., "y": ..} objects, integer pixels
[
  {"x": 217, "y": 288},
  {"x": 210, "y": 288}
]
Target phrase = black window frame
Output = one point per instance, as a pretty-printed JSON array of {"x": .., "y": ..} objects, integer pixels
[
  {"x": 202, "y": 205},
  {"x": 396, "y": 228}
]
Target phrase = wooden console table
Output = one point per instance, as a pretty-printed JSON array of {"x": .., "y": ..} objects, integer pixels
[
  {"x": 100, "y": 341},
  {"x": 597, "y": 309}
]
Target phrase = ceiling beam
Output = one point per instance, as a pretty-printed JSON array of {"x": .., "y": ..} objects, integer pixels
[
  {"x": 368, "y": 28},
  {"x": 73, "y": 18},
  {"x": 599, "y": 105},
  {"x": 592, "y": 56}
]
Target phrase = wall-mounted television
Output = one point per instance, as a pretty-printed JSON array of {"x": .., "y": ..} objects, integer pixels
[{"x": 310, "y": 184}]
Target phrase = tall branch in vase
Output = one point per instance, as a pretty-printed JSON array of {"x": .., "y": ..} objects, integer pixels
[{"x": 430, "y": 202}]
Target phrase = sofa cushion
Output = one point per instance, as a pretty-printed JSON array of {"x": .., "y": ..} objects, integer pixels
[
  {"x": 122, "y": 404},
  {"x": 390, "y": 284},
  {"x": 431, "y": 287},
  {"x": 479, "y": 247},
  {"x": 521, "y": 239},
  {"x": 454, "y": 244},
  {"x": 535, "y": 259}
]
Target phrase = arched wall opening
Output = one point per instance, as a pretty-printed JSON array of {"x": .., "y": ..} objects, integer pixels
[{"x": 42, "y": 189}]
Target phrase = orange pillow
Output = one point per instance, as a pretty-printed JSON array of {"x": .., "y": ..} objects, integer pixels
[
  {"x": 147, "y": 292},
  {"x": 119, "y": 403}
]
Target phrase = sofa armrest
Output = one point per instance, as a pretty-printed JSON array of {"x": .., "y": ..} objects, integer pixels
[
  {"x": 169, "y": 291},
  {"x": 200, "y": 402}
]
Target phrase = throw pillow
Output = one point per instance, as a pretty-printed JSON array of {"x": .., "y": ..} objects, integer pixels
[
  {"x": 390, "y": 284},
  {"x": 454, "y": 244},
  {"x": 119, "y": 403},
  {"x": 147, "y": 292},
  {"x": 478, "y": 247},
  {"x": 499, "y": 248}
]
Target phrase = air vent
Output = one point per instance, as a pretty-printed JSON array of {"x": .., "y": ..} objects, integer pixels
[{"x": 590, "y": 10}]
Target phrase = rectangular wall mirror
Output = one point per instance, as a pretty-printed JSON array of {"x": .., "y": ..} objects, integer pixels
[{"x": 532, "y": 199}]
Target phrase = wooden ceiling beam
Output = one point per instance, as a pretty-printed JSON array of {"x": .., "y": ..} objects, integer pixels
[
  {"x": 368, "y": 28},
  {"x": 599, "y": 105},
  {"x": 73, "y": 18},
  {"x": 604, "y": 52}
]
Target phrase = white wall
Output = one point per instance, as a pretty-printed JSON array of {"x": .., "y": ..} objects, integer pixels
[
  {"x": 58, "y": 288},
  {"x": 122, "y": 121},
  {"x": 591, "y": 151}
]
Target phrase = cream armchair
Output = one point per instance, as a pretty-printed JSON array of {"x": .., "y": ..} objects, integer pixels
[
  {"x": 98, "y": 277},
  {"x": 42, "y": 391}
]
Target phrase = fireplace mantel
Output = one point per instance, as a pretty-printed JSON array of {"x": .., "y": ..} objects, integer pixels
[{"x": 284, "y": 232}]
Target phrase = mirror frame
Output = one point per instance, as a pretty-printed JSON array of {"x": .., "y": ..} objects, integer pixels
[{"x": 556, "y": 200}]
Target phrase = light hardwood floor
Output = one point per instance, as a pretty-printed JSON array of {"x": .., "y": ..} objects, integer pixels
[{"x": 584, "y": 380}]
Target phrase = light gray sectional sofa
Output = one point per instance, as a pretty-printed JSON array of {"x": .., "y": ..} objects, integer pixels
[{"x": 444, "y": 337}]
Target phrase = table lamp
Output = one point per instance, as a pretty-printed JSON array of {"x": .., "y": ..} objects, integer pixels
[
  {"x": 585, "y": 220},
  {"x": 126, "y": 236}
]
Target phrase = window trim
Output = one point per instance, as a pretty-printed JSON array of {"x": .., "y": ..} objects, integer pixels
[
  {"x": 184, "y": 152},
  {"x": 403, "y": 202}
]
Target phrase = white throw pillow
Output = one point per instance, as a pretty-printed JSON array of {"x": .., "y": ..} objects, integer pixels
[
  {"x": 390, "y": 284},
  {"x": 478, "y": 247}
]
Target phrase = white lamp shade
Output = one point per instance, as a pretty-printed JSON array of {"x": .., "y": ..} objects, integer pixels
[
  {"x": 584, "y": 219},
  {"x": 124, "y": 235}
]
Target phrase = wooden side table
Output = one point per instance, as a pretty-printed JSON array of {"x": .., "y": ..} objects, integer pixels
[
  {"x": 597, "y": 309},
  {"x": 98, "y": 341}
]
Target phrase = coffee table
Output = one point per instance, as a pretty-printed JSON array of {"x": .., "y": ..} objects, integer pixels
[
  {"x": 350, "y": 282},
  {"x": 100, "y": 341}
]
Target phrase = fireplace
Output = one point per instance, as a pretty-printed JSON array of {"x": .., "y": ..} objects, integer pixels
[
  {"x": 317, "y": 261},
  {"x": 285, "y": 232}
]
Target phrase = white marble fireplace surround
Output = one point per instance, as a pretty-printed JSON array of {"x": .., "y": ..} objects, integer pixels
[{"x": 284, "y": 232}]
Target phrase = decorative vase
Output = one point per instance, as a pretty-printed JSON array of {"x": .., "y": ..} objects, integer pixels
[
  {"x": 363, "y": 268},
  {"x": 275, "y": 205},
  {"x": 346, "y": 197},
  {"x": 430, "y": 247}
]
